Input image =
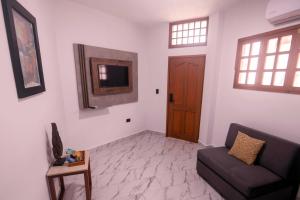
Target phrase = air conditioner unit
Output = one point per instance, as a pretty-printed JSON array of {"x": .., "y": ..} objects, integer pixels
[{"x": 280, "y": 11}]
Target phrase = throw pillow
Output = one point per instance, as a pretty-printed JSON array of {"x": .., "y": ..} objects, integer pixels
[{"x": 246, "y": 148}]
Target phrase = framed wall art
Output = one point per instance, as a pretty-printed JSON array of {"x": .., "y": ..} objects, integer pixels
[{"x": 24, "y": 49}]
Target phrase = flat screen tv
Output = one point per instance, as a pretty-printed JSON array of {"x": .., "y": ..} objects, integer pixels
[{"x": 111, "y": 76}]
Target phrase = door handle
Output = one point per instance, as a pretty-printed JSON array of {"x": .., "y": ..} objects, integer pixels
[{"x": 171, "y": 98}]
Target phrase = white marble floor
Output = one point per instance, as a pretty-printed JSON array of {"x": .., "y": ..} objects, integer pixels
[{"x": 145, "y": 166}]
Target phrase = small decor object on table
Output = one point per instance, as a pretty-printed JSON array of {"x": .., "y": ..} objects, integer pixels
[
  {"x": 75, "y": 158},
  {"x": 24, "y": 48},
  {"x": 57, "y": 146},
  {"x": 61, "y": 171}
]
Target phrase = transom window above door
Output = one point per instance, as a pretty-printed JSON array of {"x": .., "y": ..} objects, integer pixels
[
  {"x": 188, "y": 33},
  {"x": 269, "y": 61}
]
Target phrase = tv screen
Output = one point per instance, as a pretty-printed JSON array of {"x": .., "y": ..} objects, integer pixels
[{"x": 113, "y": 76}]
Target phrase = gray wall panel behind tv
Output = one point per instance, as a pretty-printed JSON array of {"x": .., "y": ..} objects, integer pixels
[{"x": 87, "y": 99}]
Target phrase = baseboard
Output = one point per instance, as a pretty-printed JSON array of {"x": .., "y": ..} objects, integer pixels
[
  {"x": 157, "y": 131},
  {"x": 116, "y": 139},
  {"x": 206, "y": 145}
]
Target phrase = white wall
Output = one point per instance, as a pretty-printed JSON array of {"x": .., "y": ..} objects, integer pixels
[
  {"x": 272, "y": 112},
  {"x": 79, "y": 24},
  {"x": 62, "y": 23},
  {"x": 158, "y": 53},
  {"x": 23, "y": 139},
  {"x": 275, "y": 113}
]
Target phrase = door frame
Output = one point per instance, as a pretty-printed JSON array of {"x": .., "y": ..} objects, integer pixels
[{"x": 168, "y": 92}]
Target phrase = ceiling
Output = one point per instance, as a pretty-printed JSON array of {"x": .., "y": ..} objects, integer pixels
[{"x": 149, "y": 12}]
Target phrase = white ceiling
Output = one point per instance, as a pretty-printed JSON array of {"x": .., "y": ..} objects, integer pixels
[{"x": 148, "y": 12}]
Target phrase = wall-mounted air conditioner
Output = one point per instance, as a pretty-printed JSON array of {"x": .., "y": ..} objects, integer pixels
[{"x": 280, "y": 11}]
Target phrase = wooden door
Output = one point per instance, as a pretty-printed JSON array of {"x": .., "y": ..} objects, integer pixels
[{"x": 185, "y": 89}]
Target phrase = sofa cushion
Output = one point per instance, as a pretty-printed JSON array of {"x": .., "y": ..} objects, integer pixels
[
  {"x": 251, "y": 180},
  {"x": 246, "y": 148}
]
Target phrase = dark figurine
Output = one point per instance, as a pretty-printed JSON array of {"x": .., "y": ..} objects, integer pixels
[{"x": 57, "y": 146}]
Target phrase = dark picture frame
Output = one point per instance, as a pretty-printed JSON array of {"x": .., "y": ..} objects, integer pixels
[{"x": 24, "y": 49}]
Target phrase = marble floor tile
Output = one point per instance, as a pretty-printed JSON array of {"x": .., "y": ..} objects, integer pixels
[{"x": 145, "y": 166}]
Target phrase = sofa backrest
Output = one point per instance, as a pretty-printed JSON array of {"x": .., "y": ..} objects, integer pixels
[{"x": 278, "y": 155}]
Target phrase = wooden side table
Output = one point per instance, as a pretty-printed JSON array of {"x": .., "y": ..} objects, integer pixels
[{"x": 61, "y": 171}]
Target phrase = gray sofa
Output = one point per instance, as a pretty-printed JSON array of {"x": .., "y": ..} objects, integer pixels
[{"x": 274, "y": 176}]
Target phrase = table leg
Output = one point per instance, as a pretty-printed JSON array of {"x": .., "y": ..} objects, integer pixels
[
  {"x": 62, "y": 187},
  {"x": 87, "y": 185},
  {"x": 51, "y": 188},
  {"x": 90, "y": 175}
]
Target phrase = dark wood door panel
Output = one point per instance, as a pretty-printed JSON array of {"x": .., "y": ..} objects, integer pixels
[
  {"x": 178, "y": 123},
  {"x": 192, "y": 87},
  {"x": 185, "y": 88},
  {"x": 178, "y": 75}
]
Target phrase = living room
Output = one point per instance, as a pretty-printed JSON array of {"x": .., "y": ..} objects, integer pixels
[{"x": 140, "y": 119}]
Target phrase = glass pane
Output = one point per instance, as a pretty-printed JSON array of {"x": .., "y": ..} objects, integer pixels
[
  {"x": 253, "y": 63},
  {"x": 246, "y": 50},
  {"x": 298, "y": 64},
  {"x": 297, "y": 79},
  {"x": 197, "y": 39},
  {"x": 244, "y": 64},
  {"x": 191, "y": 32},
  {"x": 179, "y": 34},
  {"x": 179, "y": 27},
  {"x": 185, "y": 33},
  {"x": 197, "y": 24},
  {"x": 282, "y": 61},
  {"x": 174, "y": 34},
  {"x": 197, "y": 31},
  {"x": 103, "y": 69},
  {"x": 204, "y": 24},
  {"x": 279, "y": 78},
  {"x": 255, "y": 48},
  {"x": 174, "y": 28},
  {"x": 179, "y": 41},
  {"x": 203, "y": 31},
  {"x": 184, "y": 40},
  {"x": 174, "y": 42},
  {"x": 251, "y": 78},
  {"x": 185, "y": 26},
  {"x": 192, "y": 25},
  {"x": 103, "y": 77},
  {"x": 242, "y": 78},
  {"x": 269, "y": 62},
  {"x": 202, "y": 39},
  {"x": 285, "y": 43},
  {"x": 191, "y": 40},
  {"x": 267, "y": 78},
  {"x": 272, "y": 45}
]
